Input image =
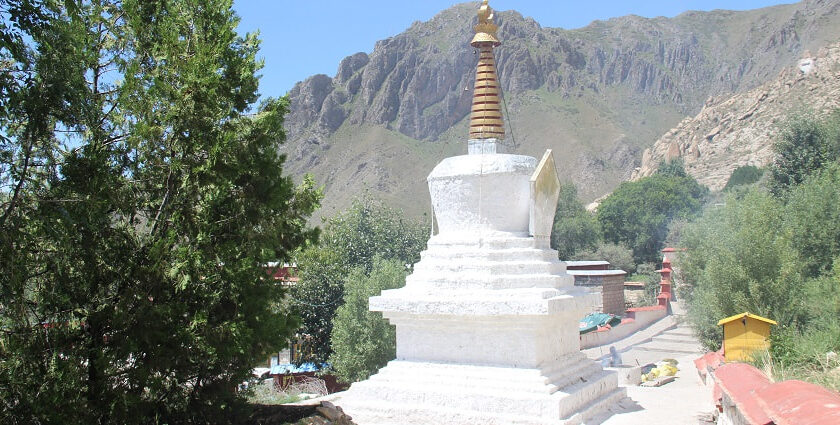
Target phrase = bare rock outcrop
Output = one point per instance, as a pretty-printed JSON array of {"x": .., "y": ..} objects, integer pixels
[{"x": 740, "y": 130}]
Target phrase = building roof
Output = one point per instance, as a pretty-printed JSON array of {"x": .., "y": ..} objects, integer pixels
[
  {"x": 596, "y": 272},
  {"x": 586, "y": 263},
  {"x": 742, "y": 315}
]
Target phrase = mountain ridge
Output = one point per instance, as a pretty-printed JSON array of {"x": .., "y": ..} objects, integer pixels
[{"x": 597, "y": 95}]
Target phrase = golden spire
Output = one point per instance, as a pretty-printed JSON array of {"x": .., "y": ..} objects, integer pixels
[{"x": 486, "y": 117}]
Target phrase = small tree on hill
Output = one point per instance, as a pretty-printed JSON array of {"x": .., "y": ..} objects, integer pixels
[{"x": 743, "y": 175}]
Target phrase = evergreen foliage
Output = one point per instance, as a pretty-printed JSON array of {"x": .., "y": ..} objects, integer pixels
[
  {"x": 351, "y": 240},
  {"x": 575, "y": 229},
  {"x": 638, "y": 213},
  {"x": 363, "y": 341},
  {"x": 141, "y": 201}
]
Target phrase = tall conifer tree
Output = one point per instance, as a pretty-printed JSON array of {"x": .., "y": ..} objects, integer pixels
[{"x": 142, "y": 195}]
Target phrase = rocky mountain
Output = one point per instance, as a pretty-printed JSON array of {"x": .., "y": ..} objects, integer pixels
[
  {"x": 598, "y": 95},
  {"x": 740, "y": 130}
]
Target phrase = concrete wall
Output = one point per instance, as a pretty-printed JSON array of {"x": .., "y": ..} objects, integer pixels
[{"x": 744, "y": 395}]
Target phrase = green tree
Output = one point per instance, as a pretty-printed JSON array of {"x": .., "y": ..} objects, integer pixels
[
  {"x": 740, "y": 258},
  {"x": 132, "y": 286},
  {"x": 350, "y": 240},
  {"x": 638, "y": 213},
  {"x": 813, "y": 220},
  {"x": 805, "y": 145},
  {"x": 363, "y": 341},
  {"x": 575, "y": 229}
]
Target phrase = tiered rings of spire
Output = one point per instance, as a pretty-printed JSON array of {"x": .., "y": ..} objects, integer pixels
[{"x": 486, "y": 118}]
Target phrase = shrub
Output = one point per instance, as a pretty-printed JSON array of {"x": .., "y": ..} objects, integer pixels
[
  {"x": 368, "y": 229},
  {"x": 806, "y": 145},
  {"x": 743, "y": 175}
]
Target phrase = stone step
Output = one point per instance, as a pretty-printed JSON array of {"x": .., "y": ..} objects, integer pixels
[
  {"x": 443, "y": 267},
  {"x": 483, "y": 243},
  {"x": 512, "y": 401},
  {"x": 597, "y": 408},
  {"x": 671, "y": 347},
  {"x": 565, "y": 372},
  {"x": 624, "y": 345},
  {"x": 472, "y": 254},
  {"x": 682, "y": 330},
  {"x": 579, "y": 395},
  {"x": 500, "y": 281},
  {"x": 674, "y": 338}
]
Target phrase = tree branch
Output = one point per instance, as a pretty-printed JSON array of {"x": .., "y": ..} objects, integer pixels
[{"x": 19, "y": 186}]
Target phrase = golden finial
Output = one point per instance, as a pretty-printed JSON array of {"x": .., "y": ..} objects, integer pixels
[
  {"x": 486, "y": 116},
  {"x": 485, "y": 31}
]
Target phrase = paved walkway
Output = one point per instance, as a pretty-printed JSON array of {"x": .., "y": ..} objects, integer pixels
[{"x": 685, "y": 400}]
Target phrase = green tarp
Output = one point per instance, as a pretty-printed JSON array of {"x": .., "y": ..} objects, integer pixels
[{"x": 592, "y": 321}]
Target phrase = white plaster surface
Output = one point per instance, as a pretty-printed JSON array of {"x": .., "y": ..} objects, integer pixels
[
  {"x": 545, "y": 191},
  {"x": 487, "y": 324},
  {"x": 482, "y": 194}
]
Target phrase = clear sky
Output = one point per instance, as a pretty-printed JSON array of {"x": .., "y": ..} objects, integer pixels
[{"x": 307, "y": 37}]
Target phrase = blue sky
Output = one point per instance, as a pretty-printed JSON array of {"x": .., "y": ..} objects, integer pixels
[{"x": 306, "y": 37}]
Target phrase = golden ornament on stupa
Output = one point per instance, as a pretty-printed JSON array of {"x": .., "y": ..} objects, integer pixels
[{"x": 486, "y": 117}]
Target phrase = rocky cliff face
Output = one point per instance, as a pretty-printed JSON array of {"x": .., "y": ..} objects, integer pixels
[
  {"x": 598, "y": 95},
  {"x": 740, "y": 130}
]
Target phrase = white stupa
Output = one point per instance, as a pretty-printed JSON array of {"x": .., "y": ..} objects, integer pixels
[{"x": 487, "y": 324}]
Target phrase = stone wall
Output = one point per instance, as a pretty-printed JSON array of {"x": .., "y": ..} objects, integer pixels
[
  {"x": 608, "y": 284},
  {"x": 634, "y": 292}
]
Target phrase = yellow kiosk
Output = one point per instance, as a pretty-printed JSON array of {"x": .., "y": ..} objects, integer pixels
[{"x": 743, "y": 334}]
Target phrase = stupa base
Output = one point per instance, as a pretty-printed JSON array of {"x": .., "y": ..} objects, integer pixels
[{"x": 570, "y": 391}]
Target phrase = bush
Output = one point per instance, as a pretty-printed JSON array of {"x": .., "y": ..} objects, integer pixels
[
  {"x": 743, "y": 175},
  {"x": 647, "y": 274},
  {"x": 367, "y": 230},
  {"x": 813, "y": 218},
  {"x": 809, "y": 356},
  {"x": 673, "y": 168}
]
